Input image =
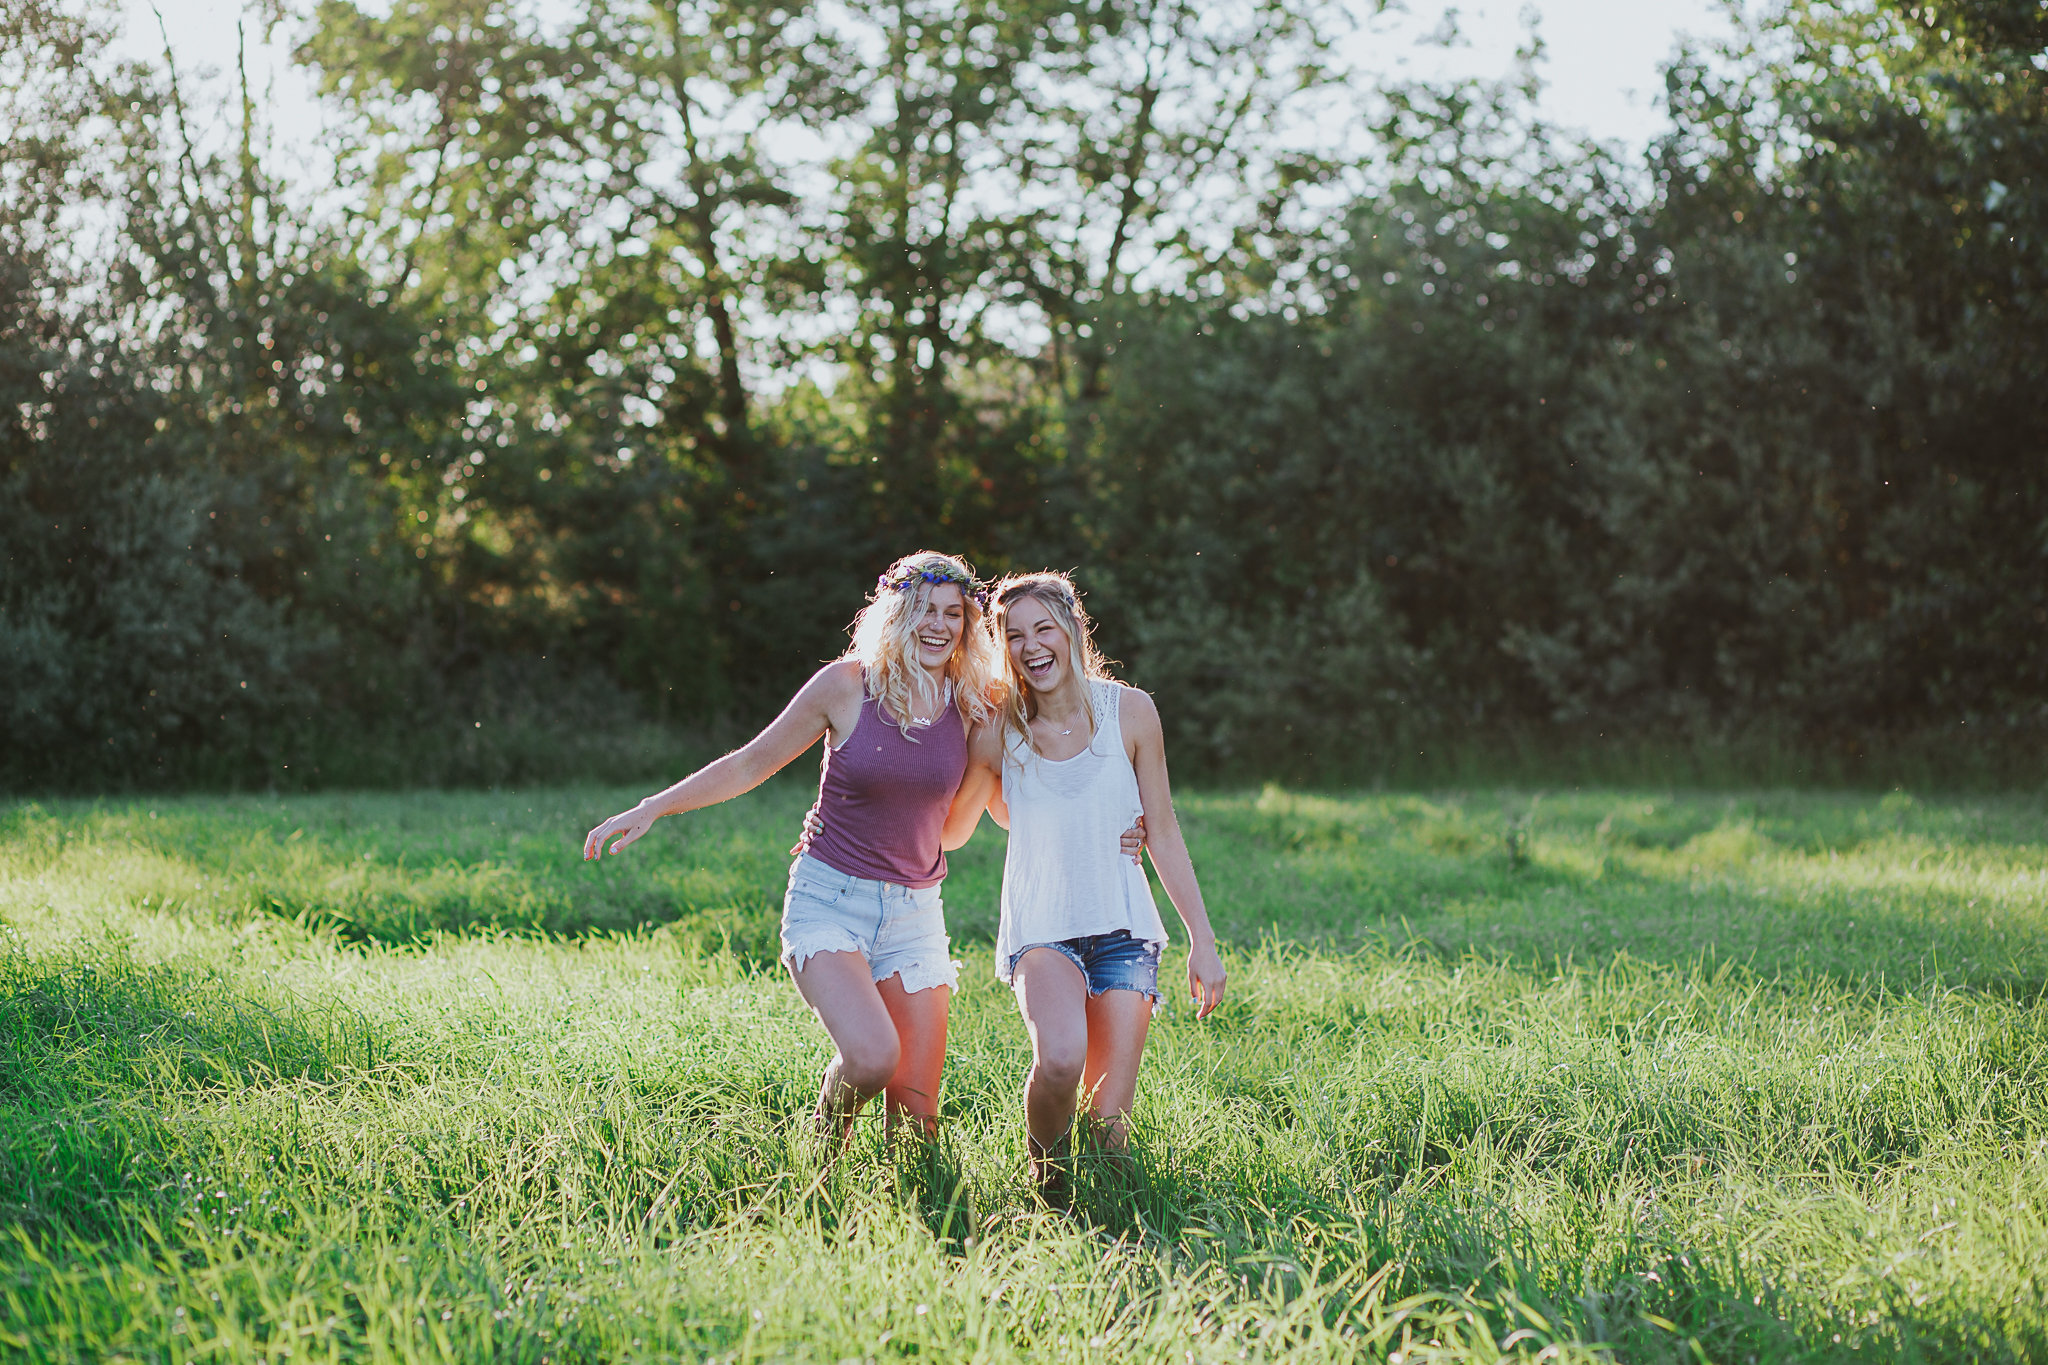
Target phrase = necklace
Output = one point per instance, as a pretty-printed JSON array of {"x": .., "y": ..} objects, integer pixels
[
  {"x": 944, "y": 697},
  {"x": 1050, "y": 721}
]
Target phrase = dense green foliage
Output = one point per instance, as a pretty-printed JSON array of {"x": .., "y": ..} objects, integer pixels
[
  {"x": 1631, "y": 1074},
  {"x": 633, "y": 339}
]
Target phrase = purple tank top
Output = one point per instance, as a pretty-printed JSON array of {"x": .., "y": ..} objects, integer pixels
[{"x": 882, "y": 799}]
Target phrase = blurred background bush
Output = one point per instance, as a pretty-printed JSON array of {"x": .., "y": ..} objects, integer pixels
[{"x": 562, "y": 434}]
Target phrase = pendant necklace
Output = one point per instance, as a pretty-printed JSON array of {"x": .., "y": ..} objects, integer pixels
[{"x": 944, "y": 697}]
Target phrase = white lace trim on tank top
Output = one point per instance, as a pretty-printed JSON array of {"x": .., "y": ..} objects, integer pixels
[{"x": 1066, "y": 875}]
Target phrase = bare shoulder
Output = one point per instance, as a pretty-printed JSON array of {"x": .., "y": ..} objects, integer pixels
[
  {"x": 1135, "y": 712},
  {"x": 985, "y": 743},
  {"x": 836, "y": 683},
  {"x": 832, "y": 698}
]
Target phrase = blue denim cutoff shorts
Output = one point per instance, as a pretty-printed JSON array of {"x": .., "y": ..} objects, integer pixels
[
  {"x": 898, "y": 929},
  {"x": 1108, "y": 962}
]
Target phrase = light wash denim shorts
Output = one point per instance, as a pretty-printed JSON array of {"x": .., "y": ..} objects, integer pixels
[
  {"x": 900, "y": 930},
  {"x": 1108, "y": 962}
]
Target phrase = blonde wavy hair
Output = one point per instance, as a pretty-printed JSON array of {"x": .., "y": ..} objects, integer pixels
[
  {"x": 885, "y": 641},
  {"x": 1057, "y": 594}
]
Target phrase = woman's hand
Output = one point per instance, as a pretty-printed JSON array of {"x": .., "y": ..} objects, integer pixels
[
  {"x": 814, "y": 825},
  {"x": 620, "y": 830},
  {"x": 1133, "y": 841},
  {"x": 1205, "y": 978}
]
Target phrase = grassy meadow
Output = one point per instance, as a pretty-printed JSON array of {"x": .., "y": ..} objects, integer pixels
[{"x": 1588, "y": 1074}]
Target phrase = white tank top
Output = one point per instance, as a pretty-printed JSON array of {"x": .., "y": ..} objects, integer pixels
[{"x": 1066, "y": 875}]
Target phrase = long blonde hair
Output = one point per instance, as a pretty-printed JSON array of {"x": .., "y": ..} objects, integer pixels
[
  {"x": 885, "y": 640},
  {"x": 1057, "y": 594}
]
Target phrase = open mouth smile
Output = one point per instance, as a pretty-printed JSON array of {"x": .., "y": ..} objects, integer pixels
[
  {"x": 936, "y": 641},
  {"x": 1040, "y": 667}
]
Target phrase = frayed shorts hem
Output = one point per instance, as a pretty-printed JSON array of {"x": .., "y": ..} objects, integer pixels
[
  {"x": 898, "y": 931},
  {"x": 917, "y": 976},
  {"x": 1108, "y": 962}
]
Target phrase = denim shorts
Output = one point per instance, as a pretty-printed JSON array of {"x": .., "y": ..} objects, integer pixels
[
  {"x": 900, "y": 930},
  {"x": 1108, "y": 962}
]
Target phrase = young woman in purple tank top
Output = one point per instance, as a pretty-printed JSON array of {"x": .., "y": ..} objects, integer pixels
[{"x": 863, "y": 930}]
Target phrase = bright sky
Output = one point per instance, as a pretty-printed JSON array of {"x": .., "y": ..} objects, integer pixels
[
  {"x": 1600, "y": 65},
  {"x": 1601, "y": 57}
]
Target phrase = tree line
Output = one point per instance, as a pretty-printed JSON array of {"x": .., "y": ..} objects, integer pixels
[{"x": 633, "y": 338}]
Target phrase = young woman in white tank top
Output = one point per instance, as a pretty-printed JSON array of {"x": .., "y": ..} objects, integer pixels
[{"x": 1076, "y": 757}]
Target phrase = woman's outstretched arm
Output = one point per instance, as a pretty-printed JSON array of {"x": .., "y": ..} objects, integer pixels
[
  {"x": 832, "y": 691},
  {"x": 1140, "y": 720}
]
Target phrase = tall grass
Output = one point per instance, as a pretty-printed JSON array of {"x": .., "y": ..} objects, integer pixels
[{"x": 1621, "y": 1073}]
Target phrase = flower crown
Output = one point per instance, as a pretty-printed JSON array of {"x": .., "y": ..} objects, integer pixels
[{"x": 909, "y": 576}]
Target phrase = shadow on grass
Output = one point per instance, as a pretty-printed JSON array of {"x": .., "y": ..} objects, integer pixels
[
  {"x": 933, "y": 1178},
  {"x": 401, "y": 869},
  {"x": 1866, "y": 890},
  {"x": 1442, "y": 1255},
  {"x": 91, "y": 1042}
]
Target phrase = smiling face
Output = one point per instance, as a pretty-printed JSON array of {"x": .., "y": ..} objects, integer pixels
[
  {"x": 1041, "y": 653},
  {"x": 940, "y": 629}
]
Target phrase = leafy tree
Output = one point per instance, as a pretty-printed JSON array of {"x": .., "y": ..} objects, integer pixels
[
  {"x": 212, "y": 541},
  {"x": 1842, "y": 532},
  {"x": 1753, "y": 452},
  {"x": 125, "y": 627},
  {"x": 640, "y": 333}
]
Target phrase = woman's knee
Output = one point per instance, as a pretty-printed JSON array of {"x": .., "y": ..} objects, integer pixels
[
  {"x": 869, "y": 1064},
  {"x": 1059, "y": 1066}
]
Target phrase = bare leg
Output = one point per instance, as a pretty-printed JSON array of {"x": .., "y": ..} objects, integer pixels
[
  {"x": 841, "y": 989},
  {"x": 1117, "y": 1023},
  {"x": 920, "y": 1021},
  {"x": 1053, "y": 997}
]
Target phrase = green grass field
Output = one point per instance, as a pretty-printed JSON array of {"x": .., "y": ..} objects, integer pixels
[{"x": 1629, "y": 1074}]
